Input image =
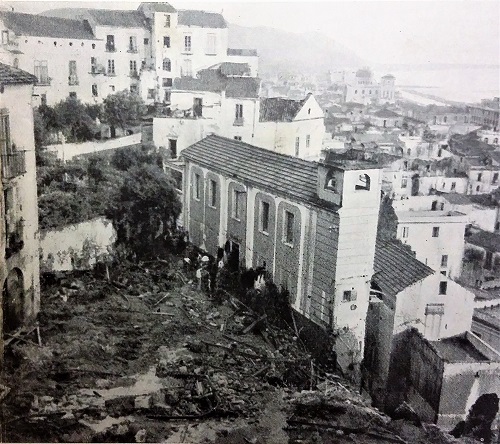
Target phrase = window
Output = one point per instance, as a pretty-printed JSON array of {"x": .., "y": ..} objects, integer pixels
[
  {"x": 297, "y": 145},
  {"x": 5, "y": 37},
  {"x": 406, "y": 231},
  {"x": 443, "y": 287},
  {"x": 197, "y": 185},
  {"x": 331, "y": 182},
  {"x": 167, "y": 82},
  {"x": 488, "y": 261},
  {"x": 167, "y": 65},
  {"x": 133, "y": 68},
  {"x": 237, "y": 196},
  {"x": 43, "y": 99},
  {"x": 72, "y": 95},
  {"x": 151, "y": 93},
  {"x": 444, "y": 260},
  {"x": 112, "y": 88},
  {"x": 289, "y": 226},
  {"x": 440, "y": 152},
  {"x": 308, "y": 141},
  {"x": 167, "y": 20},
  {"x": 110, "y": 43},
  {"x": 42, "y": 72},
  {"x": 132, "y": 43},
  {"x": 146, "y": 41},
  {"x": 72, "y": 78},
  {"x": 479, "y": 177},
  {"x": 405, "y": 165},
  {"x": 94, "y": 90},
  {"x": 197, "y": 107},
  {"x": 187, "y": 43},
  {"x": 239, "y": 114},
  {"x": 453, "y": 186},
  {"x": 404, "y": 182},
  {"x": 495, "y": 178},
  {"x": 363, "y": 182},
  {"x": 264, "y": 216},
  {"x": 213, "y": 193},
  {"x": 15, "y": 63},
  {"x": 237, "y": 137},
  {"x": 5, "y": 145},
  {"x": 166, "y": 41},
  {"x": 349, "y": 295},
  {"x": 93, "y": 65},
  {"x": 111, "y": 67},
  {"x": 167, "y": 97},
  {"x": 435, "y": 231},
  {"x": 478, "y": 188},
  {"x": 187, "y": 68},
  {"x": 211, "y": 40},
  {"x": 172, "y": 145}
]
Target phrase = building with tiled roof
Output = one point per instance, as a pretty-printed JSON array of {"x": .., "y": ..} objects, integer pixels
[
  {"x": 312, "y": 224},
  {"x": 408, "y": 294},
  {"x": 90, "y": 53},
  {"x": 19, "y": 240}
]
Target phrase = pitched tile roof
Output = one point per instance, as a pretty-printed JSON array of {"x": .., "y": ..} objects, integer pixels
[
  {"x": 279, "y": 109},
  {"x": 202, "y": 19},
  {"x": 14, "y": 76},
  {"x": 241, "y": 52},
  {"x": 213, "y": 81},
  {"x": 485, "y": 239},
  {"x": 103, "y": 17},
  {"x": 396, "y": 267},
  {"x": 42, "y": 26},
  {"x": 469, "y": 145},
  {"x": 234, "y": 69},
  {"x": 386, "y": 113},
  {"x": 159, "y": 7},
  {"x": 278, "y": 173}
]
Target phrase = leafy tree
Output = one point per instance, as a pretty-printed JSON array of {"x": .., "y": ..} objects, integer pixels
[
  {"x": 145, "y": 209},
  {"x": 72, "y": 117},
  {"x": 123, "y": 108},
  {"x": 387, "y": 220},
  {"x": 125, "y": 158},
  {"x": 62, "y": 208}
]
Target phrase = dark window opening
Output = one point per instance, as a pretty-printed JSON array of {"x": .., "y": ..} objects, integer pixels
[
  {"x": 443, "y": 287},
  {"x": 264, "y": 216},
  {"x": 363, "y": 182}
]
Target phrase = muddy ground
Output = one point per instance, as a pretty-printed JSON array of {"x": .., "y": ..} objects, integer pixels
[{"x": 144, "y": 356}]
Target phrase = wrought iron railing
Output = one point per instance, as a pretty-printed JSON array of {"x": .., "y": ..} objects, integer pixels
[{"x": 13, "y": 164}]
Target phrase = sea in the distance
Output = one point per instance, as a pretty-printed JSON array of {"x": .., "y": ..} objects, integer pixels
[{"x": 458, "y": 83}]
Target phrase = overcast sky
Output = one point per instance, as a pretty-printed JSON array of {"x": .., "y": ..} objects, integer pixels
[{"x": 407, "y": 31}]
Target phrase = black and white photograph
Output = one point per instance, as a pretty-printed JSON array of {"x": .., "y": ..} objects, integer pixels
[{"x": 248, "y": 222}]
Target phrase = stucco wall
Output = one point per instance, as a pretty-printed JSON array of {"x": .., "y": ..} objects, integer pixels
[{"x": 77, "y": 246}]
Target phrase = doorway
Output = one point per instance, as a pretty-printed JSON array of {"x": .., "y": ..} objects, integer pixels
[{"x": 13, "y": 301}]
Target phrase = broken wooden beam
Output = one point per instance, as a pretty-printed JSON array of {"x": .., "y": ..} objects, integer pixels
[{"x": 253, "y": 324}]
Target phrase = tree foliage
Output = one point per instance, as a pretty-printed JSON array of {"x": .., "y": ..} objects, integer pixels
[
  {"x": 123, "y": 108},
  {"x": 72, "y": 117}
]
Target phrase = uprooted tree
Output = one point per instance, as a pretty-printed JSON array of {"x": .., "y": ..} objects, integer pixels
[{"x": 145, "y": 210}]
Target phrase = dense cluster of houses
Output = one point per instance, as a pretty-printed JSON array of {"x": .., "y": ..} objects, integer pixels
[{"x": 294, "y": 184}]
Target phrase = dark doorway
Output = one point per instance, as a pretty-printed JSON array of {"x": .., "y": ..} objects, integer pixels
[
  {"x": 172, "y": 144},
  {"x": 197, "y": 107},
  {"x": 233, "y": 255},
  {"x": 415, "y": 185},
  {"x": 13, "y": 301}
]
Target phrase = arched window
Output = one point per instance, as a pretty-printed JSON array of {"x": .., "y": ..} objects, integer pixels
[
  {"x": 363, "y": 182},
  {"x": 167, "y": 65},
  {"x": 331, "y": 182}
]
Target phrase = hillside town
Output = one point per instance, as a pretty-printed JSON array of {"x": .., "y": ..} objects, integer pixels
[{"x": 193, "y": 253}]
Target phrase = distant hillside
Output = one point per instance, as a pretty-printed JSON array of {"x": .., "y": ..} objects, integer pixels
[{"x": 290, "y": 52}]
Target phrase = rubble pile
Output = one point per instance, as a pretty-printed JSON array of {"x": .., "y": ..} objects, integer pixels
[{"x": 138, "y": 353}]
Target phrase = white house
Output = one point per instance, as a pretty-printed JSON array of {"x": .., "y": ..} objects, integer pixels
[{"x": 437, "y": 237}]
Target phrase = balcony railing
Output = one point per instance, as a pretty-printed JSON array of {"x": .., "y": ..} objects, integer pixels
[
  {"x": 72, "y": 80},
  {"x": 14, "y": 238},
  {"x": 132, "y": 49},
  {"x": 43, "y": 81},
  {"x": 13, "y": 165},
  {"x": 110, "y": 48},
  {"x": 238, "y": 121}
]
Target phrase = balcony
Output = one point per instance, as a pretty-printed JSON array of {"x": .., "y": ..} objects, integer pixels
[
  {"x": 134, "y": 75},
  {"x": 110, "y": 48},
  {"x": 43, "y": 81},
  {"x": 73, "y": 80},
  {"x": 132, "y": 49},
  {"x": 238, "y": 121},
  {"x": 97, "y": 69},
  {"x": 13, "y": 164}
]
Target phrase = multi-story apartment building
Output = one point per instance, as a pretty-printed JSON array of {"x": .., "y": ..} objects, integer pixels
[
  {"x": 486, "y": 114},
  {"x": 90, "y": 53},
  {"x": 19, "y": 271},
  {"x": 313, "y": 224},
  {"x": 365, "y": 90}
]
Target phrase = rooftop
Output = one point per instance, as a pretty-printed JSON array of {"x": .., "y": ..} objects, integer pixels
[
  {"x": 214, "y": 81},
  {"x": 386, "y": 113},
  {"x": 485, "y": 239},
  {"x": 469, "y": 145},
  {"x": 42, "y": 26},
  {"x": 279, "y": 109},
  {"x": 232, "y": 68},
  {"x": 14, "y": 76},
  {"x": 160, "y": 7},
  {"x": 422, "y": 215},
  {"x": 276, "y": 172},
  {"x": 396, "y": 268},
  {"x": 489, "y": 316},
  {"x": 201, "y": 19},
  {"x": 242, "y": 52},
  {"x": 458, "y": 349}
]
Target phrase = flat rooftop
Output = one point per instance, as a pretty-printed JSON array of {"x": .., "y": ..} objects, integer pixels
[
  {"x": 488, "y": 315},
  {"x": 428, "y": 214},
  {"x": 458, "y": 349}
]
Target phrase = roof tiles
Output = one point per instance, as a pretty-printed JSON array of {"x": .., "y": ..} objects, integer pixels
[
  {"x": 396, "y": 267},
  {"x": 281, "y": 174},
  {"x": 202, "y": 19},
  {"x": 279, "y": 109},
  {"x": 14, "y": 76}
]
